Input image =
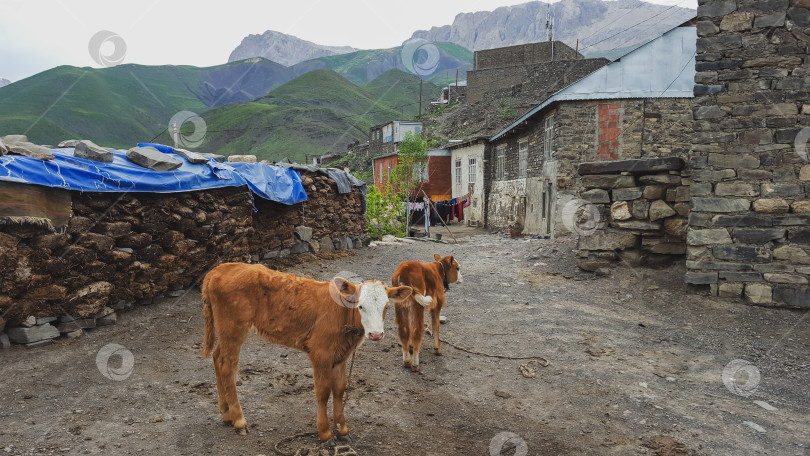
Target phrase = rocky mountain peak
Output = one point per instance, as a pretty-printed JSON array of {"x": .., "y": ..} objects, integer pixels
[{"x": 284, "y": 49}]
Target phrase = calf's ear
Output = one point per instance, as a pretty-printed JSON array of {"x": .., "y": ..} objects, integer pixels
[
  {"x": 399, "y": 293},
  {"x": 344, "y": 287},
  {"x": 437, "y": 257}
]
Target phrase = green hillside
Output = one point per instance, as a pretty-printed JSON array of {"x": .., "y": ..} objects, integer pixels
[
  {"x": 363, "y": 66},
  {"x": 125, "y": 104},
  {"x": 316, "y": 113}
]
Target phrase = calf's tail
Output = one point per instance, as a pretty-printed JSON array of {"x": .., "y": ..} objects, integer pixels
[{"x": 210, "y": 332}]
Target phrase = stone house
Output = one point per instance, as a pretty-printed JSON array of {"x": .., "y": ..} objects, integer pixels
[
  {"x": 531, "y": 71},
  {"x": 638, "y": 106},
  {"x": 749, "y": 227},
  {"x": 467, "y": 176}
]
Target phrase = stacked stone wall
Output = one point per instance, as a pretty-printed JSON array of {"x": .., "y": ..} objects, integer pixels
[
  {"x": 630, "y": 210},
  {"x": 120, "y": 250},
  {"x": 749, "y": 229}
]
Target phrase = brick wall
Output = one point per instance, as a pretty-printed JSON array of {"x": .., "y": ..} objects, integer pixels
[{"x": 749, "y": 233}]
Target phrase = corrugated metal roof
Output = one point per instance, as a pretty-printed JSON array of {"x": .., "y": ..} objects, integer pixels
[{"x": 662, "y": 68}]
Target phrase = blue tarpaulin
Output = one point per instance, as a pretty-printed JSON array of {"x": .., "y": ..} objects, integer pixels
[{"x": 65, "y": 171}]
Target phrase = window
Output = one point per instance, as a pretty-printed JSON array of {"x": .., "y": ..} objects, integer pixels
[
  {"x": 473, "y": 170},
  {"x": 381, "y": 174},
  {"x": 458, "y": 176},
  {"x": 420, "y": 171},
  {"x": 389, "y": 171},
  {"x": 523, "y": 157},
  {"x": 500, "y": 161},
  {"x": 548, "y": 138}
]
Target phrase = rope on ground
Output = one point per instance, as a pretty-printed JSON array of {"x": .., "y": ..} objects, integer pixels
[
  {"x": 538, "y": 359},
  {"x": 313, "y": 450}
]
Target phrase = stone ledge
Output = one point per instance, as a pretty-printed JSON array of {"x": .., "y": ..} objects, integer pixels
[{"x": 636, "y": 166}]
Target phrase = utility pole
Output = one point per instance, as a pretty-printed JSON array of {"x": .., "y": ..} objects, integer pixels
[
  {"x": 420, "y": 98},
  {"x": 456, "y": 81}
]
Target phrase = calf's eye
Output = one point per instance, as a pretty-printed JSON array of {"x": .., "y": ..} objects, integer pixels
[{"x": 360, "y": 307}]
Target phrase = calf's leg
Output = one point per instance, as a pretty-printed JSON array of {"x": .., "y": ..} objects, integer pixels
[
  {"x": 338, "y": 389},
  {"x": 402, "y": 319},
  {"x": 322, "y": 374},
  {"x": 417, "y": 334},
  {"x": 226, "y": 364},
  {"x": 435, "y": 312}
]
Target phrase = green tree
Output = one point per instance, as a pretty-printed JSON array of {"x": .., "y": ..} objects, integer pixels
[
  {"x": 384, "y": 213},
  {"x": 410, "y": 170}
]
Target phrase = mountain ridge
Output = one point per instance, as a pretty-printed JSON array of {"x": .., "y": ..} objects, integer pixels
[
  {"x": 283, "y": 49},
  {"x": 594, "y": 26}
]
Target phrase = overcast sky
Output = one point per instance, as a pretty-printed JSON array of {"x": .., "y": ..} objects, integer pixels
[{"x": 36, "y": 35}]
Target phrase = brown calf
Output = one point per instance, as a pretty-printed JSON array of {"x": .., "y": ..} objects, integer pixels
[
  {"x": 326, "y": 320},
  {"x": 429, "y": 281}
]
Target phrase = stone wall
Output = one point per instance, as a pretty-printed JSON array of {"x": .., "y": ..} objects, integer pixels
[
  {"x": 120, "y": 250},
  {"x": 649, "y": 129},
  {"x": 749, "y": 229},
  {"x": 523, "y": 54},
  {"x": 531, "y": 83},
  {"x": 631, "y": 210}
]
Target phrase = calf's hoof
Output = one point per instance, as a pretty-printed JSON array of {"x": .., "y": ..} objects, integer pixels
[
  {"x": 240, "y": 426},
  {"x": 437, "y": 351},
  {"x": 325, "y": 436},
  {"x": 344, "y": 438},
  {"x": 414, "y": 368}
]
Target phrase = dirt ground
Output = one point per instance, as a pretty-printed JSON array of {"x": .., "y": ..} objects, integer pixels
[{"x": 639, "y": 364}]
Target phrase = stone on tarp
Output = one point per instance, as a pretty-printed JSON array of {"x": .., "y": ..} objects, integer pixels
[
  {"x": 69, "y": 143},
  {"x": 31, "y": 150},
  {"x": 32, "y": 334},
  {"x": 91, "y": 151},
  {"x": 304, "y": 232},
  {"x": 216, "y": 157},
  {"x": 242, "y": 158},
  {"x": 3, "y": 148},
  {"x": 13, "y": 139},
  {"x": 192, "y": 157},
  {"x": 151, "y": 158}
]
